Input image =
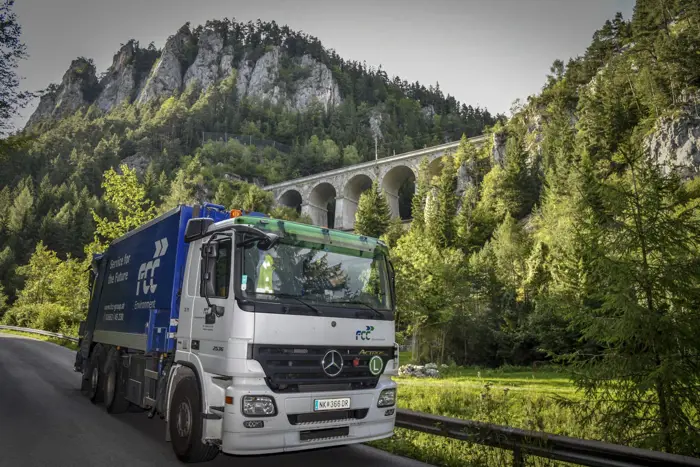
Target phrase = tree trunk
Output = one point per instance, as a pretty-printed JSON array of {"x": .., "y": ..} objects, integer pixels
[
  {"x": 414, "y": 343},
  {"x": 442, "y": 346},
  {"x": 664, "y": 418}
]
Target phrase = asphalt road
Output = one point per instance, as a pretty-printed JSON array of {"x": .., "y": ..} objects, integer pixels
[{"x": 45, "y": 421}]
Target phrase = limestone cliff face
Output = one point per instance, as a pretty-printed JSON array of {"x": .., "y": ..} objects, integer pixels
[
  {"x": 676, "y": 143},
  {"x": 205, "y": 69},
  {"x": 167, "y": 76},
  {"x": 119, "y": 84},
  {"x": 78, "y": 88},
  {"x": 263, "y": 78},
  {"x": 199, "y": 58},
  {"x": 319, "y": 86}
]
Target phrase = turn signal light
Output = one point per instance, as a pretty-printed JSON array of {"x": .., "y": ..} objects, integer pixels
[{"x": 229, "y": 400}]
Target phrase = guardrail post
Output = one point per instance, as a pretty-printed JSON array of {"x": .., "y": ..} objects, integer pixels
[{"x": 518, "y": 457}]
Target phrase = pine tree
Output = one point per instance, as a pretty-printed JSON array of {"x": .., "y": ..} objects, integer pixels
[
  {"x": 446, "y": 198},
  {"x": 186, "y": 187},
  {"x": 422, "y": 188},
  {"x": 394, "y": 232},
  {"x": 466, "y": 227},
  {"x": 632, "y": 287},
  {"x": 13, "y": 50},
  {"x": 128, "y": 204},
  {"x": 3, "y": 301},
  {"x": 373, "y": 214}
]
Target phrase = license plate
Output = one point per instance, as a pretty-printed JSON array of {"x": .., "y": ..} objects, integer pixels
[{"x": 331, "y": 404}]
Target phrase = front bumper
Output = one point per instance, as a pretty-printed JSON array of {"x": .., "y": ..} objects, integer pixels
[{"x": 279, "y": 434}]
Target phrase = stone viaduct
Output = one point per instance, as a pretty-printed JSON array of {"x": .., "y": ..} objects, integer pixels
[{"x": 312, "y": 195}]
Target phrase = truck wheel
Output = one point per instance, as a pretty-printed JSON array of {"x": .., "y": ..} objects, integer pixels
[
  {"x": 185, "y": 422},
  {"x": 94, "y": 376},
  {"x": 114, "y": 385}
]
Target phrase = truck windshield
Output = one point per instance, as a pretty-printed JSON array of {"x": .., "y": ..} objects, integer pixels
[{"x": 317, "y": 273}]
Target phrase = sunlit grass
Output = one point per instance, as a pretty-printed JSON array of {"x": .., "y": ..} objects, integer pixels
[{"x": 518, "y": 397}]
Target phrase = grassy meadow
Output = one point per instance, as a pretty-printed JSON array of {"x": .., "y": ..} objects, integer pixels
[{"x": 519, "y": 397}]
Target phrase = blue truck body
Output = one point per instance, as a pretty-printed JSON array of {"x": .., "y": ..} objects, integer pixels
[{"x": 139, "y": 279}]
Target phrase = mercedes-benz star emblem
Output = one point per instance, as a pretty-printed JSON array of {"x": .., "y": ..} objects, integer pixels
[{"x": 332, "y": 363}]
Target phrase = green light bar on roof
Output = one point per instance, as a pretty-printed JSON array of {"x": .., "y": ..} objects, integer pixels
[{"x": 310, "y": 233}]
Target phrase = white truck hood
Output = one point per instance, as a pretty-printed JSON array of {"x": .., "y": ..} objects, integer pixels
[{"x": 272, "y": 328}]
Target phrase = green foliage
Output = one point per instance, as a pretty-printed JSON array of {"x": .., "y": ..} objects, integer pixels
[
  {"x": 3, "y": 301},
  {"x": 128, "y": 206},
  {"x": 558, "y": 240},
  {"x": 394, "y": 232},
  {"x": 637, "y": 234},
  {"x": 519, "y": 397},
  {"x": 55, "y": 294},
  {"x": 421, "y": 193},
  {"x": 575, "y": 244},
  {"x": 289, "y": 214},
  {"x": 187, "y": 187},
  {"x": 253, "y": 198},
  {"x": 12, "y": 51},
  {"x": 373, "y": 214}
]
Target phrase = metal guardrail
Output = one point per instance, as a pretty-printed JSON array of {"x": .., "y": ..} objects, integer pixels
[
  {"x": 521, "y": 442},
  {"x": 42, "y": 333},
  {"x": 539, "y": 444}
]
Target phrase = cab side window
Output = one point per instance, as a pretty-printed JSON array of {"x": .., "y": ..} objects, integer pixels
[{"x": 216, "y": 272}]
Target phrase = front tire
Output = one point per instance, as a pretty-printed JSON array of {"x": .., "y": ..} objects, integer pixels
[
  {"x": 185, "y": 423},
  {"x": 93, "y": 377},
  {"x": 114, "y": 386}
]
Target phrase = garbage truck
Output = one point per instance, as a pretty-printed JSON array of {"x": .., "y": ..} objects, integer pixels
[{"x": 246, "y": 334}]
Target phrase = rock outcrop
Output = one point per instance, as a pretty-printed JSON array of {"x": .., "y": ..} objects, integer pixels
[
  {"x": 498, "y": 152},
  {"x": 119, "y": 84},
  {"x": 226, "y": 62},
  {"x": 205, "y": 69},
  {"x": 262, "y": 81},
  {"x": 318, "y": 86},
  {"x": 166, "y": 77},
  {"x": 676, "y": 144},
  {"x": 78, "y": 87},
  {"x": 199, "y": 58},
  {"x": 263, "y": 78}
]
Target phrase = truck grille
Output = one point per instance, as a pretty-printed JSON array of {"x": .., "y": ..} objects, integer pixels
[{"x": 298, "y": 368}]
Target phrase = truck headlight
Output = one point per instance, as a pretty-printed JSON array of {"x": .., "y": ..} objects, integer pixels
[
  {"x": 258, "y": 406},
  {"x": 387, "y": 398}
]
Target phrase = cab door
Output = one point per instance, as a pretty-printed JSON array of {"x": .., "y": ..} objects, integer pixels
[{"x": 213, "y": 303}]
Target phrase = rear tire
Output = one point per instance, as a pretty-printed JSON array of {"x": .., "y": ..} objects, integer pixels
[
  {"x": 114, "y": 386},
  {"x": 93, "y": 376},
  {"x": 185, "y": 423}
]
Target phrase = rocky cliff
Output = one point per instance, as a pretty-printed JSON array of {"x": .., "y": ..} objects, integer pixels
[
  {"x": 119, "y": 83},
  {"x": 79, "y": 87},
  {"x": 676, "y": 143},
  {"x": 200, "y": 58}
]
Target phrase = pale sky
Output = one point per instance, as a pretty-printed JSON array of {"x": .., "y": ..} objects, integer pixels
[{"x": 485, "y": 53}]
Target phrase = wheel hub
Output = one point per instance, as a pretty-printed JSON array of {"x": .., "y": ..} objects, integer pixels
[{"x": 184, "y": 419}]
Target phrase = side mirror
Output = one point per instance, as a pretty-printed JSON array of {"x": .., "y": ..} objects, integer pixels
[{"x": 197, "y": 228}]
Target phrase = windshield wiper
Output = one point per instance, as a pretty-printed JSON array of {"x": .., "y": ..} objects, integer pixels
[
  {"x": 358, "y": 302},
  {"x": 295, "y": 297}
]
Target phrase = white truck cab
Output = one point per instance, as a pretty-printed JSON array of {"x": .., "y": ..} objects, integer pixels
[{"x": 284, "y": 342}]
